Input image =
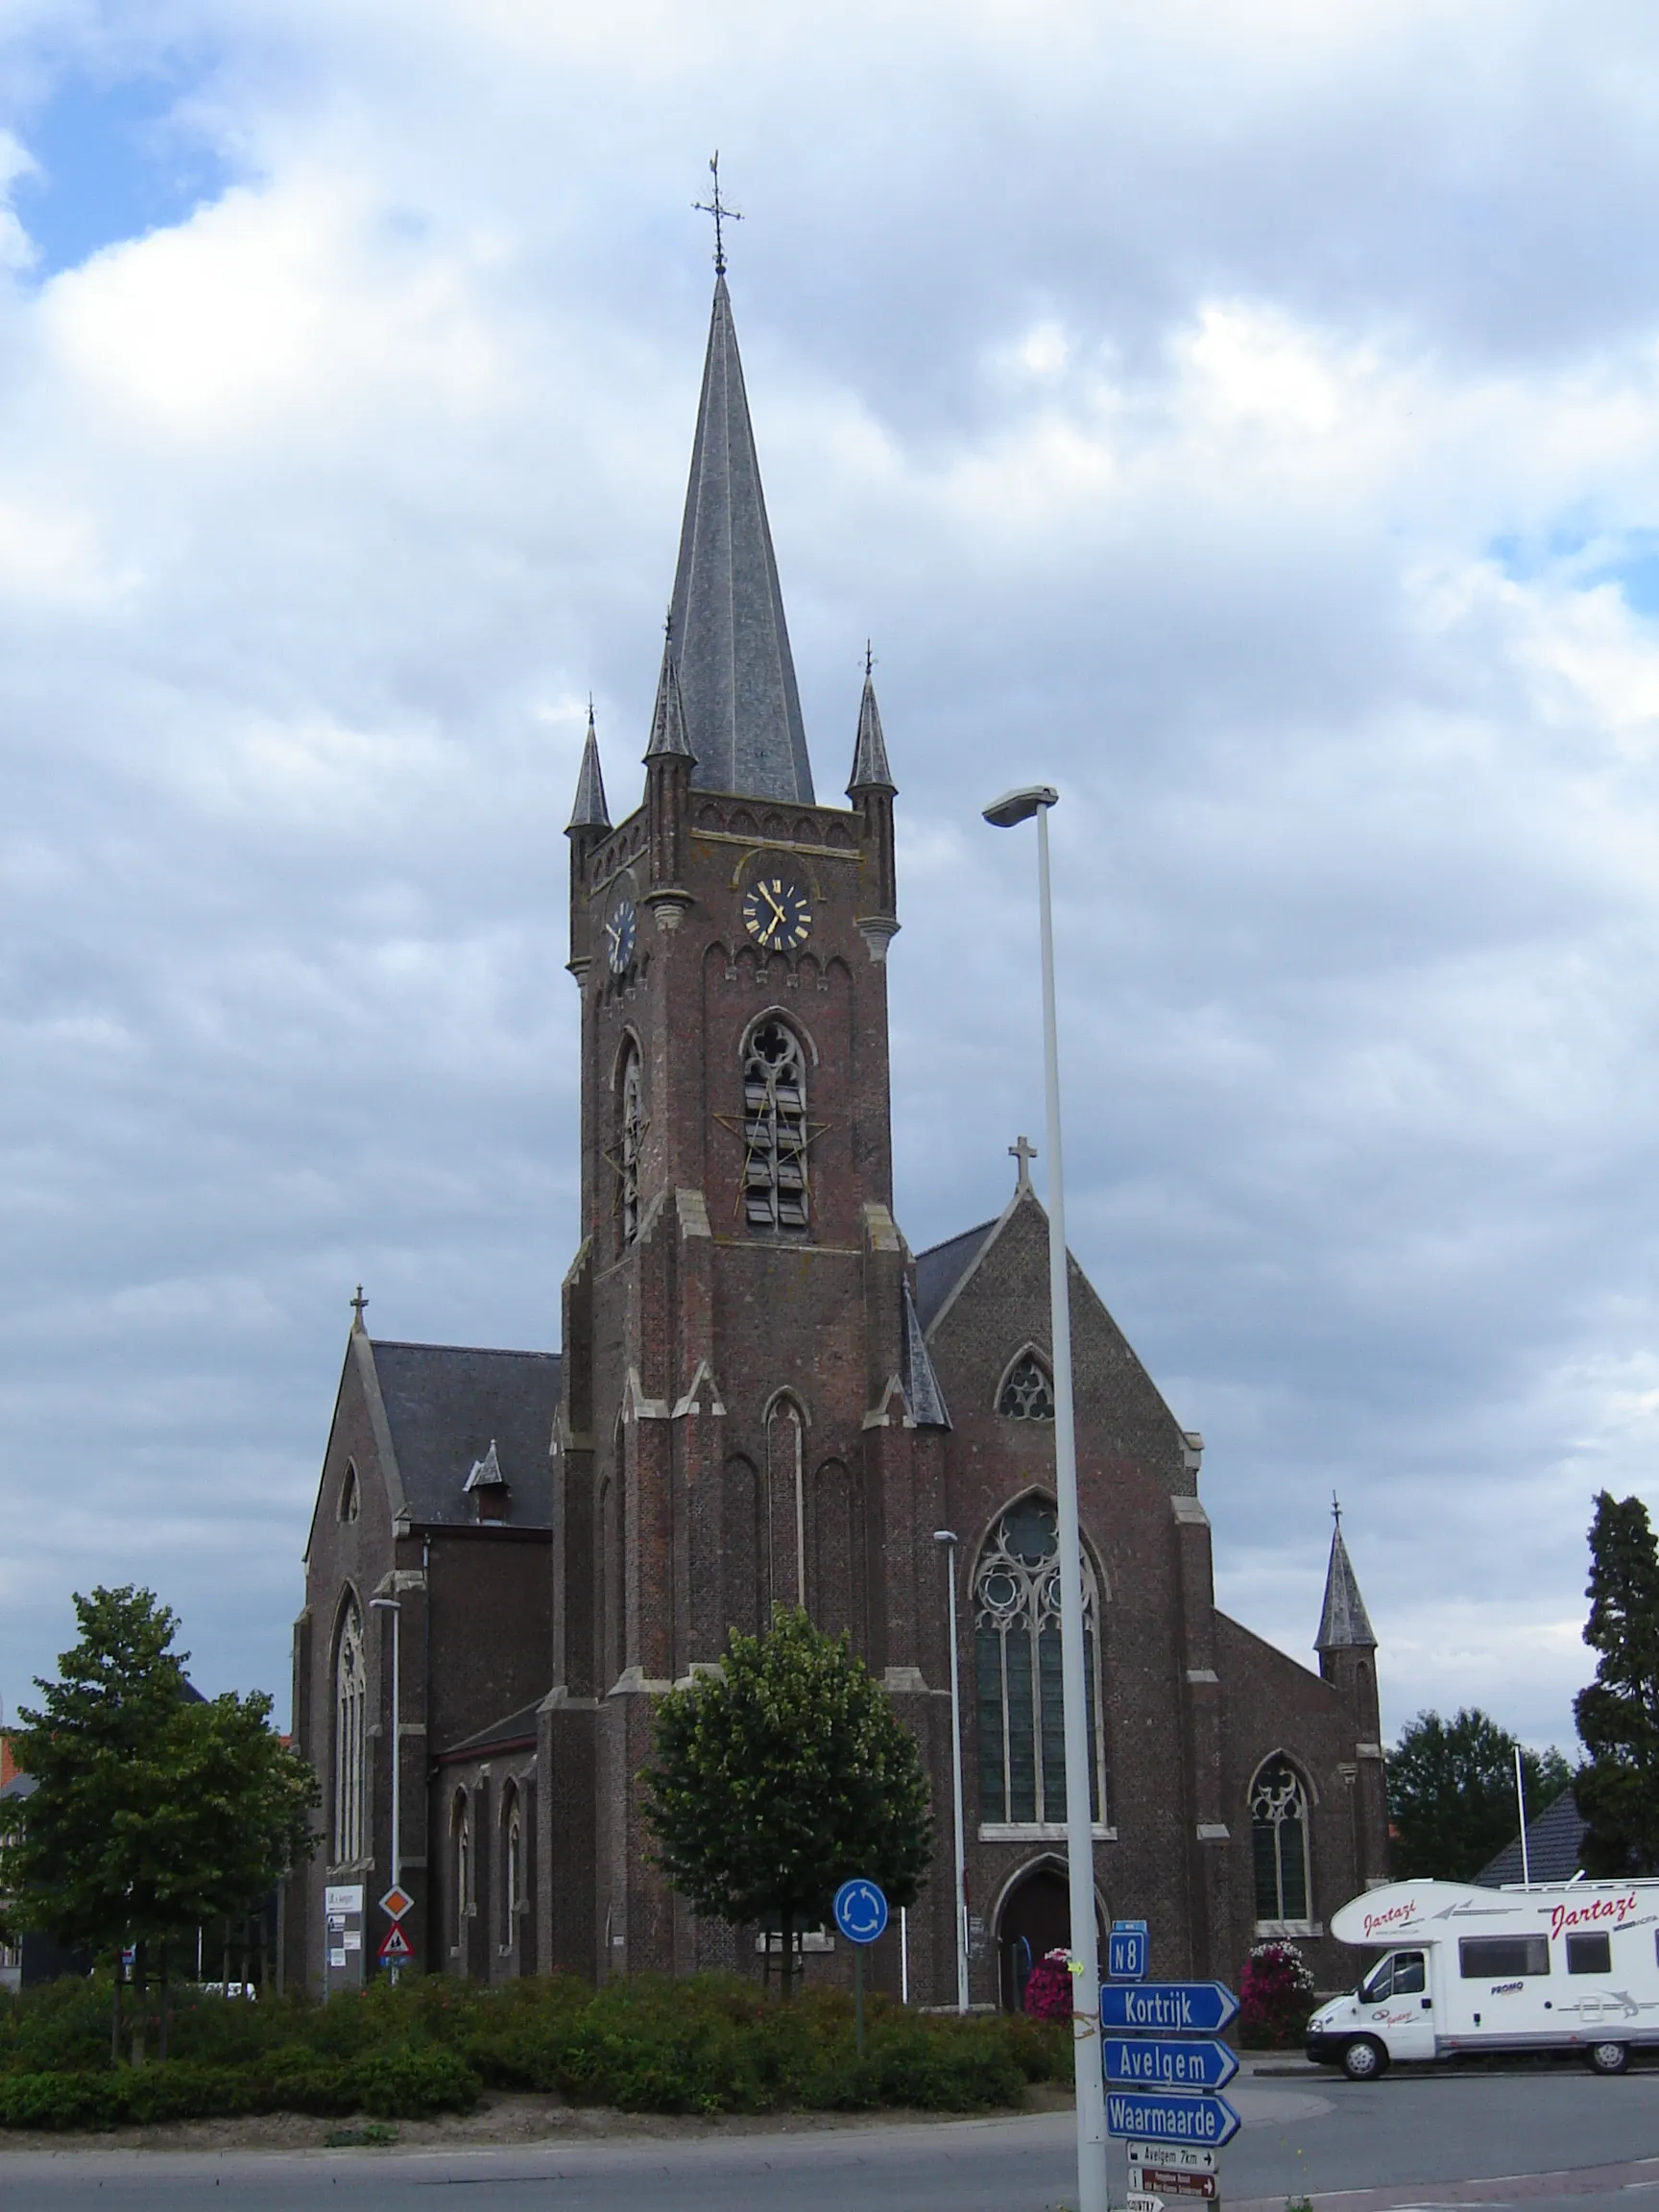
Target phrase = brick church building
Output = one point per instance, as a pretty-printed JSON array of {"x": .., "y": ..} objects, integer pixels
[{"x": 764, "y": 1397}]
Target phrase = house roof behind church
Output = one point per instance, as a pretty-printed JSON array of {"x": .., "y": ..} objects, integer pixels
[
  {"x": 446, "y": 1403},
  {"x": 939, "y": 1271},
  {"x": 1554, "y": 1847}
]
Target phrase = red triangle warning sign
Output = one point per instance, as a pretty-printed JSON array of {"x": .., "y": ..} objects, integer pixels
[{"x": 396, "y": 1945}]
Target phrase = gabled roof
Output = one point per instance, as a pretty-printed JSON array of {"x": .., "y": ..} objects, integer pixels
[
  {"x": 1344, "y": 1624},
  {"x": 515, "y": 1728},
  {"x": 942, "y": 1267},
  {"x": 1554, "y": 1847},
  {"x": 729, "y": 642},
  {"x": 446, "y": 1405}
]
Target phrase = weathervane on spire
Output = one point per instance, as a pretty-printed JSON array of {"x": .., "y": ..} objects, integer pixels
[{"x": 721, "y": 213}]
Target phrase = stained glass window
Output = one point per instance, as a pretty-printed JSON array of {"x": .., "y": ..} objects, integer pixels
[
  {"x": 1017, "y": 1651},
  {"x": 349, "y": 1686},
  {"x": 1027, "y": 1394},
  {"x": 1278, "y": 1836}
]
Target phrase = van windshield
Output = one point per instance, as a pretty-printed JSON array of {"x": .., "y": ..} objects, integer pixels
[{"x": 1399, "y": 1974}]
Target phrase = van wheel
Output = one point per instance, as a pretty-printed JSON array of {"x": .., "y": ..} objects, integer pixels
[
  {"x": 1610, "y": 2058},
  {"x": 1365, "y": 2060}
]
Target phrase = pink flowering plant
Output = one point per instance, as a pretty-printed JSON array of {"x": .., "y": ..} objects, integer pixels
[
  {"x": 1277, "y": 1999},
  {"x": 1048, "y": 1990}
]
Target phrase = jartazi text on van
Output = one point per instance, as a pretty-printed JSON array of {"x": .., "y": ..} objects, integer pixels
[{"x": 1559, "y": 1967}]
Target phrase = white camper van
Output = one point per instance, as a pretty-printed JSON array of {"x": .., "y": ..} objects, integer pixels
[{"x": 1565, "y": 1966}]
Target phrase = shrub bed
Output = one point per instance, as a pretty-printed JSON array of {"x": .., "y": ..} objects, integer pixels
[{"x": 708, "y": 2044}]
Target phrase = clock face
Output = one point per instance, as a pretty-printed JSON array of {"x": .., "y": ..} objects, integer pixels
[
  {"x": 619, "y": 930},
  {"x": 777, "y": 913}
]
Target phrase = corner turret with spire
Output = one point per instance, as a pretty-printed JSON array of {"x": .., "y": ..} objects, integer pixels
[{"x": 1347, "y": 1649}]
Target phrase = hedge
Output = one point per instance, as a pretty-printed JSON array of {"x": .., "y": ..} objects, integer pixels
[{"x": 708, "y": 2044}]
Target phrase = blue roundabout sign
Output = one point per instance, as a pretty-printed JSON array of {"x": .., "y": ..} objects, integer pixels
[{"x": 860, "y": 1910}]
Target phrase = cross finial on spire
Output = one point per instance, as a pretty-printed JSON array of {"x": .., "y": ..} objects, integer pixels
[
  {"x": 868, "y": 660},
  {"x": 722, "y": 214},
  {"x": 357, "y": 1305},
  {"x": 1024, "y": 1151},
  {"x": 1336, "y": 1511}
]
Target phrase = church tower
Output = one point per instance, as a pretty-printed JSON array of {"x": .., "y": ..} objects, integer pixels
[
  {"x": 747, "y": 1417},
  {"x": 1347, "y": 1649}
]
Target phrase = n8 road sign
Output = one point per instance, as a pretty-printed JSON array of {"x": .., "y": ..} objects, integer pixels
[{"x": 1126, "y": 1953}]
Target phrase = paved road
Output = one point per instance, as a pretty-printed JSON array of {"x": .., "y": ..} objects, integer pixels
[{"x": 1418, "y": 2141}]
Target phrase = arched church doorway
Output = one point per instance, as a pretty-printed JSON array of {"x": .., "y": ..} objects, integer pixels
[{"x": 1035, "y": 1919}]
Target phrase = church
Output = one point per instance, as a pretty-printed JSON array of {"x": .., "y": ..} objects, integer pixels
[{"x": 763, "y": 1397}]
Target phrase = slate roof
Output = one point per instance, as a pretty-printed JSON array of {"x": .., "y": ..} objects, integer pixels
[
  {"x": 940, "y": 1269},
  {"x": 1344, "y": 1624},
  {"x": 921, "y": 1391},
  {"x": 589, "y": 811},
  {"x": 1554, "y": 1847},
  {"x": 515, "y": 1728},
  {"x": 446, "y": 1403},
  {"x": 729, "y": 642},
  {"x": 869, "y": 769}
]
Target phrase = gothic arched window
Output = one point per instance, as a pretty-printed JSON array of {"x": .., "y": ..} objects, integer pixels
[
  {"x": 1026, "y": 1394},
  {"x": 1279, "y": 1838},
  {"x": 462, "y": 1822},
  {"x": 787, "y": 1503},
  {"x": 630, "y": 1141},
  {"x": 775, "y": 1129},
  {"x": 512, "y": 1865},
  {"x": 350, "y": 1498},
  {"x": 349, "y": 1737},
  {"x": 1017, "y": 1651}
]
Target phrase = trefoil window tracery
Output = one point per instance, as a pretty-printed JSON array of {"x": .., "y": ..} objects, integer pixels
[{"x": 1027, "y": 1393}]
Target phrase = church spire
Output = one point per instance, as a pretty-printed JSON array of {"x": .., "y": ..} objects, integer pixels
[
  {"x": 589, "y": 811},
  {"x": 669, "y": 715},
  {"x": 730, "y": 642},
  {"x": 1344, "y": 1624},
  {"x": 869, "y": 769}
]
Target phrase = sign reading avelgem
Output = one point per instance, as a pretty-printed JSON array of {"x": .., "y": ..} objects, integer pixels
[
  {"x": 1167, "y": 2062},
  {"x": 1169, "y": 2008},
  {"x": 1171, "y": 2118}
]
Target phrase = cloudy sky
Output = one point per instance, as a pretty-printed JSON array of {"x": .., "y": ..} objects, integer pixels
[{"x": 1245, "y": 413}]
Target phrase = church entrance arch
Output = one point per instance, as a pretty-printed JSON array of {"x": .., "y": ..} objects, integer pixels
[{"x": 1033, "y": 1919}]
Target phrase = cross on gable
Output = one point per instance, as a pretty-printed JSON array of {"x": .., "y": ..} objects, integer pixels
[
  {"x": 1024, "y": 1151},
  {"x": 357, "y": 1305}
]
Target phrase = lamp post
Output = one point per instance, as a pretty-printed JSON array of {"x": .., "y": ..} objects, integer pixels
[
  {"x": 393, "y": 1606},
  {"x": 948, "y": 1538},
  {"x": 1014, "y": 808}
]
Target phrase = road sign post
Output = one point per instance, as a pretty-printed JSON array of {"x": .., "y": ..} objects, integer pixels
[
  {"x": 1163, "y": 2064},
  {"x": 860, "y": 1910}
]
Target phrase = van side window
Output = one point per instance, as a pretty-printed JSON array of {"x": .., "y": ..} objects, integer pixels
[
  {"x": 1590, "y": 1954},
  {"x": 1502, "y": 1957},
  {"x": 1408, "y": 1974}
]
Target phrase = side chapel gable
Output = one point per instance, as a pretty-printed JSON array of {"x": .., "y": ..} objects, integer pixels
[
  {"x": 360, "y": 1433},
  {"x": 1000, "y": 1303}
]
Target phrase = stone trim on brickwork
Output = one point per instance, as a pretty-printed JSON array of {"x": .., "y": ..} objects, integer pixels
[{"x": 1037, "y": 1832}]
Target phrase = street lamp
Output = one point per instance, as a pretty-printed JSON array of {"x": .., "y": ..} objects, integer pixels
[
  {"x": 1014, "y": 808},
  {"x": 394, "y": 1608},
  {"x": 947, "y": 1537}
]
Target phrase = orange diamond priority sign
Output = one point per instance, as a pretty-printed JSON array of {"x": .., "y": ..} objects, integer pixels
[{"x": 396, "y": 1902}]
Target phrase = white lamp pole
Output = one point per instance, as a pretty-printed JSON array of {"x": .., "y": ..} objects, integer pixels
[
  {"x": 1015, "y": 808},
  {"x": 948, "y": 1538},
  {"x": 395, "y": 1608}
]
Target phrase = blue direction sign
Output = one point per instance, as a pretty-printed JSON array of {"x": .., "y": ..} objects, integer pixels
[
  {"x": 1169, "y": 2008},
  {"x": 860, "y": 1910},
  {"x": 1165, "y": 2116},
  {"x": 1126, "y": 1953},
  {"x": 1167, "y": 2062}
]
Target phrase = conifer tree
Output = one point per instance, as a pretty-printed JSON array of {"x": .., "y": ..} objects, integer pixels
[
  {"x": 1618, "y": 1716},
  {"x": 782, "y": 1776}
]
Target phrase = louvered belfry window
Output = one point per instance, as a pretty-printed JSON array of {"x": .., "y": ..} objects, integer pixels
[
  {"x": 775, "y": 1129},
  {"x": 631, "y": 1138}
]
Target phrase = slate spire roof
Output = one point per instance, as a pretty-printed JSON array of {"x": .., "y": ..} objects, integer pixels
[
  {"x": 869, "y": 769},
  {"x": 669, "y": 715},
  {"x": 589, "y": 811},
  {"x": 1344, "y": 1624},
  {"x": 728, "y": 637},
  {"x": 921, "y": 1392}
]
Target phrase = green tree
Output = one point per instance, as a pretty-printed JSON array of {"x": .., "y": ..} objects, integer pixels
[
  {"x": 1452, "y": 1793},
  {"x": 782, "y": 1776},
  {"x": 153, "y": 1810},
  {"x": 1618, "y": 1715}
]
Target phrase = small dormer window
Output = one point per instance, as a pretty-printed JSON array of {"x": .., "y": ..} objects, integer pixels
[
  {"x": 487, "y": 1486},
  {"x": 1027, "y": 1394},
  {"x": 350, "y": 1502}
]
